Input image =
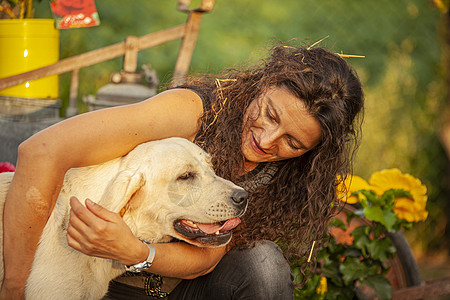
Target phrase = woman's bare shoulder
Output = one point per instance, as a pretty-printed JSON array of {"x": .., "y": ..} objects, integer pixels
[
  {"x": 181, "y": 97},
  {"x": 175, "y": 112}
]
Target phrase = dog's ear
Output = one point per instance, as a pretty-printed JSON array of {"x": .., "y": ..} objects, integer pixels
[{"x": 121, "y": 189}]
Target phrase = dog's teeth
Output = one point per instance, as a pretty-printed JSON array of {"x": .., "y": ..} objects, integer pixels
[
  {"x": 217, "y": 232},
  {"x": 191, "y": 223}
]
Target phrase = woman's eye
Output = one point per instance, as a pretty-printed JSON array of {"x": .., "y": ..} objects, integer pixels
[
  {"x": 185, "y": 176},
  {"x": 293, "y": 146},
  {"x": 269, "y": 114}
]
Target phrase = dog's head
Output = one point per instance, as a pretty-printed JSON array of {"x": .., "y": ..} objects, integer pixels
[{"x": 168, "y": 188}]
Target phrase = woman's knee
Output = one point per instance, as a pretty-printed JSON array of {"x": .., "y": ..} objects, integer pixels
[
  {"x": 266, "y": 260},
  {"x": 257, "y": 273},
  {"x": 264, "y": 270}
]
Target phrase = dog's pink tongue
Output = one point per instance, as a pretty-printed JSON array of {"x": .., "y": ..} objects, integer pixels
[{"x": 213, "y": 228}]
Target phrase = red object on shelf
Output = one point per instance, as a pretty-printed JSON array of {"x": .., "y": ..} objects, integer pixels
[
  {"x": 6, "y": 167},
  {"x": 75, "y": 13}
]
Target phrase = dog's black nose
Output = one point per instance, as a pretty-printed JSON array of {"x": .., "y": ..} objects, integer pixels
[{"x": 239, "y": 196}]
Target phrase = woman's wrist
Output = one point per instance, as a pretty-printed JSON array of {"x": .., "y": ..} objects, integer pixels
[
  {"x": 137, "y": 253},
  {"x": 146, "y": 264}
]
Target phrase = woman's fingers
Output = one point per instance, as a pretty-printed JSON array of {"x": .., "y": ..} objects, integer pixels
[
  {"x": 76, "y": 215},
  {"x": 72, "y": 239},
  {"x": 83, "y": 213},
  {"x": 96, "y": 231},
  {"x": 101, "y": 212},
  {"x": 89, "y": 233},
  {"x": 77, "y": 236},
  {"x": 80, "y": 235},
  {"x": 93, "y": 220}
]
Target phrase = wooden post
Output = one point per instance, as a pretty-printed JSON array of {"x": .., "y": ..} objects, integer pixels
[
  {"x": 187, "y": 48},
  {"x": 73, "y": 96},
  {"x": 131, "y": 54},
  {"x": 190, "y": 38}
]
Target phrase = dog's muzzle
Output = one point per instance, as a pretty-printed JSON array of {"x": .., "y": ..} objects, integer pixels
[{"x": 214, "y": 234}]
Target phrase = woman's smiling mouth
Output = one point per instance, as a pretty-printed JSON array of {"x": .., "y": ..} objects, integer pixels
[{"x": 256, "y": 147}]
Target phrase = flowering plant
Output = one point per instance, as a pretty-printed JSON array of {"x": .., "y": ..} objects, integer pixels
[
  {"x": 16, "y": 9},
  {"x": 355, "y": 257}
]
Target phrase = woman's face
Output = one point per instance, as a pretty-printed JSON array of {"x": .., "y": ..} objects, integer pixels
[{"x": 277, "y": 126}]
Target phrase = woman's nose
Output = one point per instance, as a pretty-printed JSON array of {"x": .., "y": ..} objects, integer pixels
[{"x": 268, "y": 139}]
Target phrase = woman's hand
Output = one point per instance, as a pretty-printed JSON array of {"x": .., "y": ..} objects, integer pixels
[{"x": 96, "y": 231}]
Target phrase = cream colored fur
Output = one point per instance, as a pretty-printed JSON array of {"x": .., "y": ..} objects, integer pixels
[{"x": 146, "y": 181}]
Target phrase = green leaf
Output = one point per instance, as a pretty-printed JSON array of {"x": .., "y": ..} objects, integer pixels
[
  {"x": 352, "y": 269},
  {"x": 390, "y": 219},
  {"x": 297, "y": 274},
  {"x": 381, "y": 286},
  {"x": 335, "y": 249},
  {"x": 386, "y": 216},
  {"x": 371, "y": 196},
  {"x": 309, "y": 290},
  {"x": 331, "y": 271},
  {"x": 352, "y": 251},
  {"x": 400, "y": 193},
  {"x": 339, "y": 293},
  {"x": 374, "y": 213},
  {"x": 381, "y": 249},
  {"x": 360, "y": 237},
  {"x": 336, "y": 222}
]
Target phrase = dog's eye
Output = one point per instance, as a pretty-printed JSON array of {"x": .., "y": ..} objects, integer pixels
[{"x": 185, "y": 176}]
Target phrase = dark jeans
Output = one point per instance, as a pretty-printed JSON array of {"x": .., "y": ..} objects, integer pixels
[{"x": 257, "y": 273}]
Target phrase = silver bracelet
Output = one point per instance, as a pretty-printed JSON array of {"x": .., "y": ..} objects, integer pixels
[{"x": 137, "y": 268}]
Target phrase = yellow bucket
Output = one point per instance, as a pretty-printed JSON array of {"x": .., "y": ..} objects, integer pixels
[{"x": 25, "y": 45}]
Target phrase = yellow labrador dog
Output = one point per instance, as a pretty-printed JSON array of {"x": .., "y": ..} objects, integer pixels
[{"x": 165, "y": 189}]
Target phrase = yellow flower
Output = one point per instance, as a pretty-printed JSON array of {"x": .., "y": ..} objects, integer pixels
[
  {"x": 322, "y": 287},
  {"x": 351, "y": 184},
  {"x": 412, "y": 210}
]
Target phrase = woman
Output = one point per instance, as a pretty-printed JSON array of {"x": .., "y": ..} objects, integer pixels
[{"x": 283, "y": 130}]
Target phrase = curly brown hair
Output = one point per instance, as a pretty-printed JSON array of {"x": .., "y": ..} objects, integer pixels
[{"x": 296, "y": 206}]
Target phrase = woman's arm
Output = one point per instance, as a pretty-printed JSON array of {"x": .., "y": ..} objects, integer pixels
[
  {"x": 86, "y": 139},
  {"x": 99, "y": 232},
  {"x": 29, "y": 202}
]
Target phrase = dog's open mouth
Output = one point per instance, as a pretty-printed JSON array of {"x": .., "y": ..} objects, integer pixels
[{"x": 212, "y": 234}]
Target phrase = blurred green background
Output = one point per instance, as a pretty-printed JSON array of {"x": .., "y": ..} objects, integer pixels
[{"x": 403, "y": 71}]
